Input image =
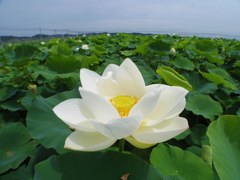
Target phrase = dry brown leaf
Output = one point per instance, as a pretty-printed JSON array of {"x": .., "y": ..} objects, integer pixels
[{"x": 125, "y": 176}]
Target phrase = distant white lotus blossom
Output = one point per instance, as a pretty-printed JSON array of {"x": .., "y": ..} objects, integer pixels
[
  {"x": 42, "y": 43},
  {"x": 172, "y": 51},
  {"x": 85, "y": 47},
  {"x": 108, "y": 34},
  {"x": 76, "y": 49},
  {"x": 118, "y": 105}
]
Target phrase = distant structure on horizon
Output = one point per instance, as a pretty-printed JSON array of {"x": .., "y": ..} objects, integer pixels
[{"x": 46, "y": 36}]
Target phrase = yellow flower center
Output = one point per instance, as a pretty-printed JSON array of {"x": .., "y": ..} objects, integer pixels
[{"x": 124, "y": 104}]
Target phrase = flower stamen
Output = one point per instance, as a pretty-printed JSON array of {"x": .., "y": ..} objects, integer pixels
[{"x": 124, "y": 104}]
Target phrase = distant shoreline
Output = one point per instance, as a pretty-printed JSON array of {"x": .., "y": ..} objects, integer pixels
[{"x": 7, "y": 38}]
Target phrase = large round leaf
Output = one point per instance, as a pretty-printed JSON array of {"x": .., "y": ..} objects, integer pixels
[
  {"x": 98, "y": 165},
  {"x": 224, "y": 139},
  {"x": 63, "y": 64},
  {"x": 220, "y": 77},
  {"x": 44, "y": 125},
  {"x": 200, "y": 84},
  {"x": 203, "y": 105},
  {"x": 173, "y": 161},
  {"x": 205, "y": 45},
  {"x": 21, "y": 173},
  {"x": 183, "y": 63},
  {"x": 6, "y": 92},
  {"x": 160, "y": 45},
  {"x": 15, "y": 146}
]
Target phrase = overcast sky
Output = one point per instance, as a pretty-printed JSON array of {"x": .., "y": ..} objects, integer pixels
[{"x": 27, "y": 17}]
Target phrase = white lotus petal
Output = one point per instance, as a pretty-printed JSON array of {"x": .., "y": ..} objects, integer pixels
[
  {"x": 156, "y": 86},
  {"x": 118, "y": 128},
  {"x": 88, "y": 80},
  {"x": 107, "y": 86},
  {"x": 132, "y": 89},
  {"x": 146, "y": 104},
  {"x": 102, "y": 109},
  {"x": 128, "y": 81},
  {"x": 85, "y": 47},
  {"x": 138, "y": 144},
  {"x": 133, "y": 72},
  {"x": 177, "y": 109},
  {"x": 171, "y": 103},
  {"x": 162, "y": 132},
  {"x": 119, "y": 76},
  {"x": 115, "y": 71},
  {"x": 86, "y": 126},
  {"x": 88, "y": 141},
  {"x": 75, "y": 113},
  {"x": 137, "y": 81}
]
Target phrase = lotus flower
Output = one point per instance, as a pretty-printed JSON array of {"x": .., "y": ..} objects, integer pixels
[
  {"x": 118, "y": 105},
  {"x": 173, "y": 51},
  {"x": 85, "y": 47},
  {"x": 76, "y": 49}
]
